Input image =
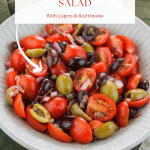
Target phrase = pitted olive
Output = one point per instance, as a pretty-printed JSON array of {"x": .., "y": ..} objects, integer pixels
[{"x": 91, "y": 58}]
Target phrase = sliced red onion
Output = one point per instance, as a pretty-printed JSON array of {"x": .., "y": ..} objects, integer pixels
[
  {"x": 83, "y": 101},
  {"x": 43, "y": 35},
  {"x": 99, "y": 114},
  {"x": 137, "y": 57},
  {"x": 119, "y": 84},
  {"x": 71, "y": 39},
  {"x": 85, "y": 84},
  {"x": 111, "y": 78},
  {"x": 66, "y": 74},
  {"x": 51, "y": 120},
  {"x": 57, "y": 47},
  {"x": 10, "y": 70},
  {"x": 21, "y": 89},
  {"x": 56, "y": 28},
  {"x": 46, "y": 98},
  {"x": 53, "y": 94},
  {"x": 70, "y": 116},
  {"x": 7, "y": 65},
  {"x": 15, "y": 92}
]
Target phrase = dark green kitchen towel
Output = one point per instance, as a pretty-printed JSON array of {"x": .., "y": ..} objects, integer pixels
[{"x": 7, "y": 8}]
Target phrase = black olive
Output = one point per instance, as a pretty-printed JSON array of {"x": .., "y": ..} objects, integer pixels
[
  {"x": 90, "y": 33},
  {"x": 63, "y": 46},
  {"x": 45, "y": 87},
  {"x": 144, "y": 84},
  {"x": 49, "y": 46},
  {"x": 66, "y": 125},
  {"x": 91, "y": 58},
  {"x": 79, "y": 40},
  {"x": 77, "y": 63},
  {"x": 133, "y": 112},
  {"x": 101, "y": 79},
  {"x": 120, "y": 99},
  {"x": 115, "y": 65},
  {"x": 80, "y": 96},
  {"x": 52, "y": 58},
  {"x": 13, "y": 46}
]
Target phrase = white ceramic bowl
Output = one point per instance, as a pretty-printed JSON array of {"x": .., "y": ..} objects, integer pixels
[{"x": 19, "y": 130}]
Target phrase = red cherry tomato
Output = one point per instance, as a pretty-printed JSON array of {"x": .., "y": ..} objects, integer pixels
[
  {"x": 59, "y": 68},
  {"x": 116, "y": 47},
  {"x": 122, "y": 114},
  {"x": 82, "y": 75},
  {"x": 67, "y": 28},
  {"x": 101, "y": 38},
  {"x": 10, "y": 79},
  {"x": 93, "y": 91},
  {"x": 100, "y": 107},
  {"x": 58, "y": 134},
  {"x": 99, "y": 67},
  {"x": 30, "y": 86},
  {"x": 127, "y": 66},
  {"x": 138, "y": 103},
  {"x": 58, "y": 38},
  {"x": 33, "y": 122},
  {"x": 94, "y": 124},
  {"x": 116, "y": 76},
  {"x": 129, "y": 46},
  {"x": 104, "y": 54},
  {"x": 73, "y": 51},
  {"x": 134, "y": 81},
  {"x": 57, "y": 107},
  {"x": 37, "y": 61},
  {"x": 17, "y": 61},
  {"x": 33, "y": 41},
  {"x": 81, "y": 131},
  {"x": 19, "y": 106}
]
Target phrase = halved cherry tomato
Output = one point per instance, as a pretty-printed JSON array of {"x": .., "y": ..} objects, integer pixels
[
  {"x": 58, "y": 134},
  {"x": 82, "y": 75},
  {"x": 19, "y": 106},
  {"x": 58, "y": 38},
  {"x": 122, "y": 114},
  {"x": 73, "y": 51},
  {"x": 17, "y": 61},
  {"x": 127, "y": 66},
  {"x": 116, "y": 76},
  {"x": 138, "y": 103},
  {"x": 116, "y": 47},
  {"x": 67, "y": 28},
  {"x": 99, "y": 67},
  {"x": 37, "y": 61},
  {"x": 56, "y": 106},
  {"x": 10, "y": 79},
  {"x": 33, "y": 122},
  {"x": 104, "y": 54},
  {"x": 94, "y": 124},
  {"x": 33, "y": 41},
  {"x": 30, "y": 87},
  {"x": 93, "y": 91},
  {"x": 101, "y": 107},
  {"x": 134, "y": 81},
  {"x": 81, "y": 131},
  {"x": 59, "y": 68},
  {"x": 101, "y": 38},
  {"x": 129, "y": 46}
]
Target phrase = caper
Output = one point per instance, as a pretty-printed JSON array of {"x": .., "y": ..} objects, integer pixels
[
  {"x": 88, "y": 47},
  {"x": 70, "y": 96},
  {"x": 64, "y": 84},
  {"x": 91, "y": 58},
  {"x": 35, "y": 52},
  {"x": 53, "y": 77},
  {"x": 144, "y": 84},
  {"x": 13, "y": 46},
  {"x": 109, "y": 89},
  {"x": 77, "y": 111},
  {"x": 105, "y": 131},
  {"x": 78, "y": 30},
  {"x": 72, "y": 73},
  {"x": 135, "y": 94},
  {"x": 40, "y": 113}
]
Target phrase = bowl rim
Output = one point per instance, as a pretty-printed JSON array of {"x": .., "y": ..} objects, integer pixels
[{"x": 28, "y": 146}]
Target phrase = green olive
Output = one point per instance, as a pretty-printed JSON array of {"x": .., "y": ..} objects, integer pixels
[
  {"x": 77, "y": 111},
  {"x": 109, "y": 89},
  {"x": 105, "y": 131},
  {"x": 35, "y": 52},
  {"x": 40, "y": 113},
  {"x": 64, "y": 84},
  {"x": 136, "y": 94},
  {"x": 79, "y": 30},
  {"x": 88, "y": 47},
  {"x": 8, "y": 98}
]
